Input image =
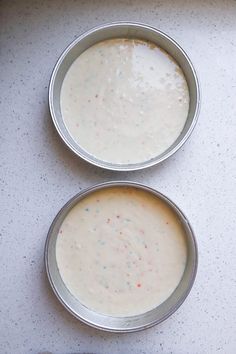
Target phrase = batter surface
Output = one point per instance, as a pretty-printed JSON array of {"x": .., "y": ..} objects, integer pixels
[
  {"x": 121, "y": 251},
  {"x": 124, "y": 101}
]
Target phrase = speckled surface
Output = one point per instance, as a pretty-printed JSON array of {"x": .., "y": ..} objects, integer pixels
[{"x": 39, "y": 174}]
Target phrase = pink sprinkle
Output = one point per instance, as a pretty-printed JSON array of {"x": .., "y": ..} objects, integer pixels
[{"x": 139, "y": 285}]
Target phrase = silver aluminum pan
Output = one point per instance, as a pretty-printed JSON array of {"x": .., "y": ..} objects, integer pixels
[
  {"x": 122, "y": 30},
  {"x": 120, "y": 324}
]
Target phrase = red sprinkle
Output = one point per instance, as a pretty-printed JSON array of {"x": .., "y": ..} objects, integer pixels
[
  {"x": 108, "y": 221},
  {"x": 139, "y": 285}
]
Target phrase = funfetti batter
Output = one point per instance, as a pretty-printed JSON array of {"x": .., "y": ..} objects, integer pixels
[
  {"x": 124, "y": 101},
  {"x": 121, "y": 251}
]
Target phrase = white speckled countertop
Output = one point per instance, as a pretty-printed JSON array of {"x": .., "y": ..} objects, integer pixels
[{"x": 39, "y": 174}]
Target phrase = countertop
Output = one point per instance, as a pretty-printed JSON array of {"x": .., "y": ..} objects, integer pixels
[{"x": 39, "y": 174}]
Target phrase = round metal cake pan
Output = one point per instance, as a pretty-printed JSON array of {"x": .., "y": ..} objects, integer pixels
[
  {"x": 122, "y": 30},
  {"x": 111, "y": 323}
]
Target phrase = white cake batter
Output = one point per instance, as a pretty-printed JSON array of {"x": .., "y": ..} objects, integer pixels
[
  {"x": 124, "y": 101},
  {"x": 121, "y": 251}
]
